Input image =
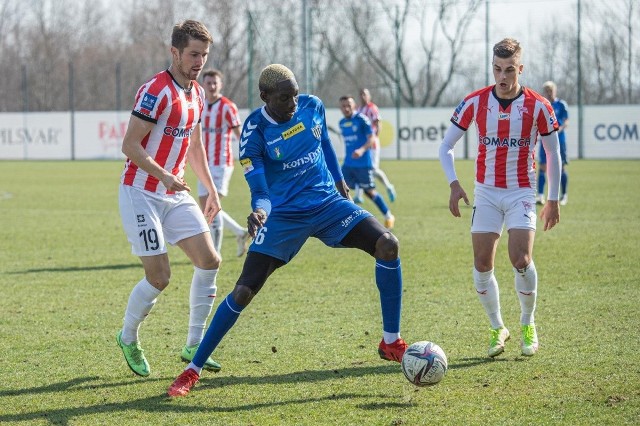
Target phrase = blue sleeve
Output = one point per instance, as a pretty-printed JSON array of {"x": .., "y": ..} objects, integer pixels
[
  {"x": 259, "y": 191},
  {"x": 330, "y": 156},
  {"x": 251, "y": 160},
  {"x": 332, "y": 160}
]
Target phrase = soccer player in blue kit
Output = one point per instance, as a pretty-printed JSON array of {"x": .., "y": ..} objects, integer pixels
[
  {"x": 358, "y": 168},
  {"x": 561, "y": 110},
  {"x": 297, "y": 192}
]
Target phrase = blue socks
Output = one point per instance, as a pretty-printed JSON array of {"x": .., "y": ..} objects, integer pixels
[
  {"x": 224, "y": 318},
  {"x": 380, "y": 203},
  {"x": 541, "y": 181},
  {"x": 563, "y": 182},
  {"x": 389, "y": 282}
]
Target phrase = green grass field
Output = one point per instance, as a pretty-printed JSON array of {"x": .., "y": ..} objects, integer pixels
[{"x": 305, "y": 351}]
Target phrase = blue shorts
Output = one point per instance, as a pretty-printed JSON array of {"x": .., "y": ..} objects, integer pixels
[
  {"x": 542, "y": 155},
  {"x": 284, "y": 234},
  {"x": 360, "y": 176}
]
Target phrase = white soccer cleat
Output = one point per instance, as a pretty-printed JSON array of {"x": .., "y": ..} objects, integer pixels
[
  {"x": 498, "y": 338},
  {"x": 243, "y": 243}
]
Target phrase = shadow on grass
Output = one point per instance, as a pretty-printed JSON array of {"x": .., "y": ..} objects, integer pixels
[
  {"x": 89, "y": 268},
  {"x": 472, "y": 362},
  {"x": 162, "y": 403}
]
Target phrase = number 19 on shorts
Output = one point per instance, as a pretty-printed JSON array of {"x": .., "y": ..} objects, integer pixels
[{"x": 150, "y": 238}]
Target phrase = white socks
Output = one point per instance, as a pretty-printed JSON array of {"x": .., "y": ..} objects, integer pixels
[
  {"x": 201, "y": 298},
  {"x": 526, "y": 283},
  {"x": 228, "y": 221},
  {"x": 141, "y": 300},
  {"x": 489, "y": 295},
  {"x": 217, "y": 226},
  {"x": 389, "y": 338}
]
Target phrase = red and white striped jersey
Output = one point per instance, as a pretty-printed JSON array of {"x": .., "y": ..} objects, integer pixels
[
  {"x": 175, "y": 112},
  {"x": 218, "y": 121},
  {"x": 371, "y": 111},
  {"x": 506, "y": 135}
]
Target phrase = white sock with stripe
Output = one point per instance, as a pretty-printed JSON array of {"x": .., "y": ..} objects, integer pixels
[
  {"x": 201, "y": 298},
  {"x": 526, "y": 283},
  {"x": 489, "y": 295},
  {"x": 141, "y": 300}
]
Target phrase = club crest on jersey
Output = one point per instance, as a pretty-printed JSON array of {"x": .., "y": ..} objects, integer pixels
[
  {"x": 247, "y": 165},
  {"x": 292, "y": 131},
  {"x": 503, "y": 116},
  {"x": 148, "y": 101},
  {"x": 277, "y": 152},
  {"x": 140, "y": 218},
  {"x": 317, "y": 131}
]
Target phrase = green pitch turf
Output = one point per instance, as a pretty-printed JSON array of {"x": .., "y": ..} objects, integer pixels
[{"x": 304, "y": 352}]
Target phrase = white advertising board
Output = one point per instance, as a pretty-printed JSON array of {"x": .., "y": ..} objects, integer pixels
[
  {"x": 609, "y": 132},
  {"x": 35, "y": 136}
]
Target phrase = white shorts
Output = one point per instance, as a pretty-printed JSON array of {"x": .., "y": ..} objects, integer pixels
[
  {"x": 221, "y": 176},
  {"x": 494, "y": 208},
  {"x": 151, "y": 220},
  {"x": 375, "y": 154}
]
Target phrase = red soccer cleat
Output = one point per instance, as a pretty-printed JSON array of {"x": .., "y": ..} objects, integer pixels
[
  {"x": 183, "y": 384},
  {"x": 392, "y": 351}
]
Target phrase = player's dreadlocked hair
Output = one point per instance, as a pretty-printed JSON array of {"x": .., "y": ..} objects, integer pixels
[
  {"x": 507, "y": 48},
  {"x": 273, "y": 74},
  {"x": 187, "y": 30}
]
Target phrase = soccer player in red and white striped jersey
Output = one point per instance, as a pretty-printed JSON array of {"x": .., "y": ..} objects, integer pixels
[
  {"x": 220, "y": 122},
  {"x": 509, "y": 118},
  {"x": 164, "y": 133},
  {"x": 370, "y": 110}
]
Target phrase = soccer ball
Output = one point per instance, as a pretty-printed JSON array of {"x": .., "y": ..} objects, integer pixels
[{"x": 424, "y": 363}]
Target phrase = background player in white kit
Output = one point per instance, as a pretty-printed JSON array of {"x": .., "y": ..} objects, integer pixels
[
  {"x": 164, "y": 132},
  {"x": 220, "y": 120},
  {"x": 508, "y": 119}
]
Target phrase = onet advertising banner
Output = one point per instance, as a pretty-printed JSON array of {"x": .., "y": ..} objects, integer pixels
[{"x": 609, "y": 132}]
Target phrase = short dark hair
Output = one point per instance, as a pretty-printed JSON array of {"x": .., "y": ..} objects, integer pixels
[
  {"x": 211, "y": 72},
  {"x": 187, "y": 30},
  {"x": 507, "y": 48},
  {"x": 346, "y": 98}
]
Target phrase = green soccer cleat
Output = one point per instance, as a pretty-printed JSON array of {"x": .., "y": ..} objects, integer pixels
[
  {"x": 188, "y": 352},
  {"x": 134, "y": 355},
  {"x": 498, "y": 337},
  {"x": 529, "y": 340}
]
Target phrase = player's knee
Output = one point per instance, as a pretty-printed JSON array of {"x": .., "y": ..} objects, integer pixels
[
  {"x": 522, "y": 262},
  {"x": 159, "y": 279},
  {"x": 387, "y": 247},
  {"x": 210, "y": 261},
  {"x": 242, "y": 295}
]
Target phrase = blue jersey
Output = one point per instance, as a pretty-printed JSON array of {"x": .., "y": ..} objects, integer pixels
[
  {"x": 355, "y": 132},
  {"x": 560, "y": 109},
  {"x": 289, "y": 166}
]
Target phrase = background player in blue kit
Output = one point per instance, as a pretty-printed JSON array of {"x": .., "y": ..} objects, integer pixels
[
  {"x": 560, "y": 108},
  {"x": 297, "y": 192},
  {"x": 358, "y": 168}
]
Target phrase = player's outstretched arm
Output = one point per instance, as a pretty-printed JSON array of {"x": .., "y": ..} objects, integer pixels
[
  {"x": 457, "y": 193},
  {"x": 343, "y": 189},
  {"x": 133, "y": 149},
  {"x": 255, "y": 221},
  {"x": 550, "y": 214},
  {"x": 197, "y": 158}
]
